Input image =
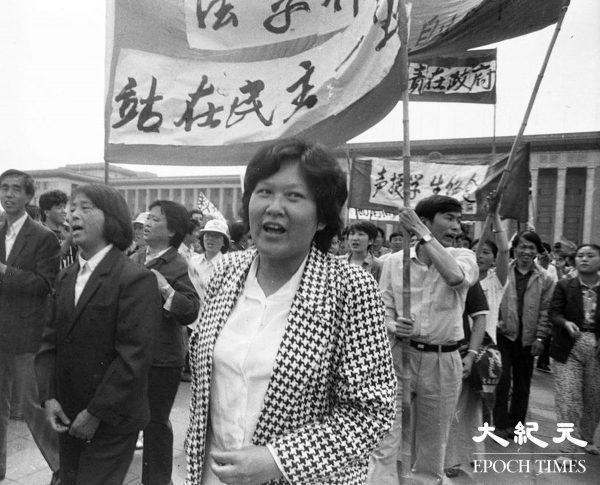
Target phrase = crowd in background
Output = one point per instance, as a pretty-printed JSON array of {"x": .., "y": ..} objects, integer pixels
[{"x": 483, "y": 311}]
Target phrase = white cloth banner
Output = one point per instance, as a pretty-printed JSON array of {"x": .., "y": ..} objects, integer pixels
[
  {"x": 162, "y": 100},
  {"x": 426, "y": 179},
  {"x": 233, "y": 24}
]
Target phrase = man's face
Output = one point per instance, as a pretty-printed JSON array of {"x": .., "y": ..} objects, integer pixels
[
  {"x": 445, "y": 227},
  {"x": 57, "y": 214},
  {"x": 525, "y": 252},
  {"x": 13, "y": 196},
  {"x": 396, "y": 244}
]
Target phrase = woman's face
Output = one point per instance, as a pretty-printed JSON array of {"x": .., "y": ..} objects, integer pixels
[
  {"x": 358, "y": 241},
  {"x": 283, "y": 215},
  {"x": 156, "y": 233},
  {"x": 213, "y": 242},
  {"x": 587, "y": 260},
  {"x": 87, "y": 223}
]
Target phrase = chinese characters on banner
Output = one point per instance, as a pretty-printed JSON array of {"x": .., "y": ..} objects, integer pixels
[
  {"x": 458, "y": 181},
  {"x": 470, "y": 78},
  {"x": 182, "y": 101}
]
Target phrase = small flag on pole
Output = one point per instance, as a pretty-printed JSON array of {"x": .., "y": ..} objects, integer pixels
[{"x": 207, "y": 207}]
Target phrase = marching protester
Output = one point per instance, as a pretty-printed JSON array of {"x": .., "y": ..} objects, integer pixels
[
  {"x": 164, "y": 231},
  {"x": 575, "y": 315},
  {"x": 522, "y": 331},
  {"x": 292, "y": 375},
  {"x": 378, "y": 248},
  {"x": 360, "y": 236},
  {"x": 440, "y": 278},
  {"x": 214, "y": 240},
  {"x": 29, "y": 262},
  {"x": 93, "y": 363},
  {"x": 53, "y": 207}
]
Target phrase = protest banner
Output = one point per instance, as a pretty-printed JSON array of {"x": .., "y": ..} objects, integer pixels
[
  {"x": 466, "y": 78},
  {"x": 209, "y": 81},
  {"x": 169, "y": 103},
  {"x": 376, "y": 184}
]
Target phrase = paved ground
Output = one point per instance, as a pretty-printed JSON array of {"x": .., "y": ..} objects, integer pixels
[{"x": 27, "y": 467}]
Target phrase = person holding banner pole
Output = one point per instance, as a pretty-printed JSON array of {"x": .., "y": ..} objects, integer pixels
[{"x": 440, "y": 277}]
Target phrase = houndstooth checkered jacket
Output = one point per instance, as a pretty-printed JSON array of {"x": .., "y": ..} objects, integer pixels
[{"x": 331, "y": 395}]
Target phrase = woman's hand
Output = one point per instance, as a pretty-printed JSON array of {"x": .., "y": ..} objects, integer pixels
[
  {"x": 572, "y": 329},
  {"x": 55, "y": 415},
  {"x": 248, "y": 466}
]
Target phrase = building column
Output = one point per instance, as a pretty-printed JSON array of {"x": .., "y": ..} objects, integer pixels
[
  {"x": 589, "y": 205},
  {"x": 147, "y": 203},
  {"x": 234, "y": 203},
  {"x": 534, "y": 196},
  {"x": 136, "y": 207},
  {"x": 559, "y": 211},
  {"x": 196, "y": 193},
  {"x": 221, "y": 200},
  {"x": 170, "y": 194}
]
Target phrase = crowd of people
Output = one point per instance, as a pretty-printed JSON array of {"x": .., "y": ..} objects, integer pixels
[{"x": 291, "y": 327}]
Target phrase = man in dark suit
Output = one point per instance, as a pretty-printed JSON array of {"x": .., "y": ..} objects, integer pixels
[
  {"x": 29, "y": 260},
  {"x": 95, "y": 355}
]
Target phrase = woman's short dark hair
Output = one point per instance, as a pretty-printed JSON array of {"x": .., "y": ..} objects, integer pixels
[
  {"x": 437, "y": 204},
  {"x": 178, "y": 219},
  {"x": 367, "y": 227},
  {"x": 51, "y": 199},
  {"x": 595, "y": 247},
  {"x": 193, "y": 224},
  {"x": 489, "y": 243},
  {"x": 28, "y": 183},
  {"x": 323, "y": 175},
  {"x": 237, "y": 230},
  {"x": 118, "y": 229},
  {"x": 395, "y": 234},
  {"x": 530, "y": 236}
]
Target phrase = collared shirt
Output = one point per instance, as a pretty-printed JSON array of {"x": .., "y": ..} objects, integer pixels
[
  {"x": 243, "y": 360},
  {"x": 12, "y": 231},
  {"x": 590, "y": 302},
  {"x": 437, "y": 307},
  {"x": 370, "y": 264},
  {"x": 86, "y": 268}
]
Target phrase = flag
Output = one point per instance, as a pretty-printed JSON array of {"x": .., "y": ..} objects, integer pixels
[
  {"x": 514, "y": 203},
  {"x": 207, "y": 207}
]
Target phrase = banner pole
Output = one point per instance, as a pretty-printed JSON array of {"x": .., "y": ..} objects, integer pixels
[
  {"x": 407, "y": 442},
  {"x": 513, "y": 150}
]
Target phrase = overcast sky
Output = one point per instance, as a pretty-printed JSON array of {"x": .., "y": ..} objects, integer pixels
[{"x": 52, "y": 86}]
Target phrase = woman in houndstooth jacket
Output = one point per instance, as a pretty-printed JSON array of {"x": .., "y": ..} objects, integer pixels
[{"x": 292, "y": 378}]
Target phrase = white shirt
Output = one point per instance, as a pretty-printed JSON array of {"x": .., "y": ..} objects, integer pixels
[
  {"x": 494, "y": 291},
  {"x": 86, "y": 268},
  {"x": 243, "y": 360},
  {"x": 12, "y": 231},
  {"x": 437, "y": 308}
]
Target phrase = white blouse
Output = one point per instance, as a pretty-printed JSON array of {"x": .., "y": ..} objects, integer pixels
[
  {"x": 243, "y": 360},
  {"x": 494, "y": 291}
]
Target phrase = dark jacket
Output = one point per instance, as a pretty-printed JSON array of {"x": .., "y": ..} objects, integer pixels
[
  {"x": 96, "y": 355},
  {"x": 171, "y": 336},
  {"x": 567, "y": 305},
  {"x": 26, "y": 286}
]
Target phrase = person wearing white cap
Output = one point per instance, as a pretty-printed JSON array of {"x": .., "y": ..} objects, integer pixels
[{"x": 215, "y": 240}]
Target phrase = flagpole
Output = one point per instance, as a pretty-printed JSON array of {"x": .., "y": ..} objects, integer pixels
[
  {"x": 407, "y": 432},
  {"x": 510, "y": 164}
]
